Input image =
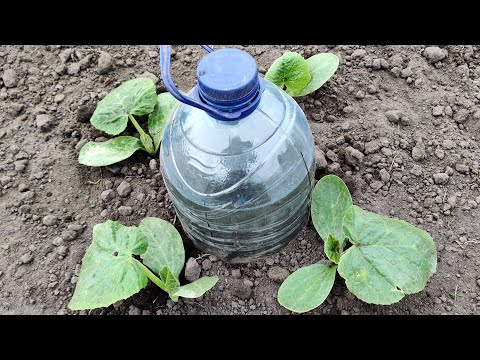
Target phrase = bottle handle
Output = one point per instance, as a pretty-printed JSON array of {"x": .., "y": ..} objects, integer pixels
[{"x": 165, "y": 54}]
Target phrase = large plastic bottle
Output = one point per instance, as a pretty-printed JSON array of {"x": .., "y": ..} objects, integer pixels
[{"x": 237, "y": 158}]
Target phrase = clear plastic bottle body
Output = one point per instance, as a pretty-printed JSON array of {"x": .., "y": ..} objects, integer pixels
[{"x": 241, "y": 189}]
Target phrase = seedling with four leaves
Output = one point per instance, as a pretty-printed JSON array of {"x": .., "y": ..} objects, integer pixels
[
  {"x": 381, "y": 259},
  {"x": 133, "y": 99},
  {"x": 112, "y": 270}
]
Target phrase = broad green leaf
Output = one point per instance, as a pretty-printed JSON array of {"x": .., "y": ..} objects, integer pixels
[
  {"x": 165, "y": 246},
  {"x": 197, "y": 288},
  {"x": 389, "y": 257},
  {"x": 330, "y": 200},
  {"x": 109, "y": 152},
  {"x": 109, "y": 273},
  {"x": 322, "y": 67},
  {"x": 135, "y": 97},
  {"x": 291, "y": 70},
  {"x": 307, "y": 288},
  {"x": 332, "y": 248},
  {"x": 158, "y": 118},
  {"x": 171, "y": 282},
  {"x": 147, "y": 143}
]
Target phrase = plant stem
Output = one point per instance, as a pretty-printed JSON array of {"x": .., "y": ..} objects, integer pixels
[
  {"x": 135, "y": 123},
  {"x": 144, "y": 137},
  {"x": 152, "y": 276}
]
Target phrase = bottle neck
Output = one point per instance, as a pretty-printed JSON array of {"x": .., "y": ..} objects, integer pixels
[{"x": 246, "y": 105}]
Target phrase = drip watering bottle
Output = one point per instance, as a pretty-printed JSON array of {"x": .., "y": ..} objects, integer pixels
[{"x": 237, "y": 158}]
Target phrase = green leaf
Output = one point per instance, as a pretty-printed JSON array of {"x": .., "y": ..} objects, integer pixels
[
  {"x": 109, "y": 273},
  {"x": 135, "y": 97},
  {"x": 307, "y": 288},
  {"x": 109, "y": 152},
  {"x": 147, "y": 143},
  {"x": 197, "y": 288},
  {"x": 165, "y": 246},
  {"x": 322, "y": 67},
  {"x": 158, "y": 118},
  {"x": 390, "y": 257},
  {"x": 330, "y": 200},
  {"x": 291, "y": 70},
  {"x": 332, "y": 248},
  {"x": 171, "y": 282}
]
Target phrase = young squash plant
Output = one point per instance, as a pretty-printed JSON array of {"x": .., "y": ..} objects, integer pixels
[
  {"x": 302, "y": 77},
  {"x": 133, "y": 99},
  {"x": 112, "y": 270},
  {"x": 381, "y": 259}
]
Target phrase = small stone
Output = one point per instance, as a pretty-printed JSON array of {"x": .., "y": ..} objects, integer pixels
[
  {"x": 105, "y": 63},
  {"x": 85, "y": 112},
  {"x": 150, "y": 76},
  {"x": 248, "y": 282},
  {"x": 320, "y": 161},
  {"x": 62, "y": 250},
  {"x": 278, "y": 274},
  {"x": 133, "y": 310},
  {"x": 384, "y": 175},
  {"x": 358, "y": 54},
  {"x": 49, "y": 220},
  {"x": 372, "y": 147},
  {"x": 437, "y": 110},
  {"x": 192, "y": 270},
  {"x": 348, "y": 109},
  {"x": 125, "y": 210},
  {"x": 461, "y": 116},
  {"x": 24, "y": 209},
  {"x": 124, "y": 189},
  {"x": 448, "y": 144},
  {"x": 26, "y": 258},
  {"x": 58, "y": 98},
  {"x": 73, "y": 69},
  {"x": 10, "y": 78},
  {"x": 69, "y": 235},
  {"x": 418, "y": 151},
  {"x": 153, "y": 165},
  {"x": 206, "y": 264},
  {"x": 360, "y": 95},
  {"x": 440, "y": 178},
  {"x": 439, "y": 153},
  {"x": 332, "y": 156},
  {"x": 376, "y": 185},
  {"x": 108, "y": 195},
  {"x": 393, "y": 116},
  {"x": 353, "y": 156},
  {"x": 22, "y": 187},
  {"x": 407, "y": 72},
  {"x": 448, "y": 171},
  {"x": 371, "y": 89},
  {"x": 60, "y": 69},
  {"x": 462, "y": 168},
  {"x": 376, "y": 64},
  {"x": 236, "y": 274},
  {"x": 44, "y": 122},
  {"x": 57, "y": 241},
  {"x": 434, "y": 54}
]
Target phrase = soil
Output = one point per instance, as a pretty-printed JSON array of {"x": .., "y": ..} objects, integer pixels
[{"x": 412, "y": 111}]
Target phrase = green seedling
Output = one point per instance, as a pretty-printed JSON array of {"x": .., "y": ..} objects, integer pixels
[
  {"x": 302, "y": 77},
  {"x": 130, "y": 101},
  {"x": 112, "y": 270},
  {"x": 380, "y": 258}
]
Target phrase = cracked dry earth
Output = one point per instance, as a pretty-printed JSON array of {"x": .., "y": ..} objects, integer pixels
[{"x": 411, "y": 113}]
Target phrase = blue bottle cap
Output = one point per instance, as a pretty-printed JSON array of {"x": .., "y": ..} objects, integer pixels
[{"x": 227, "y": 78}]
